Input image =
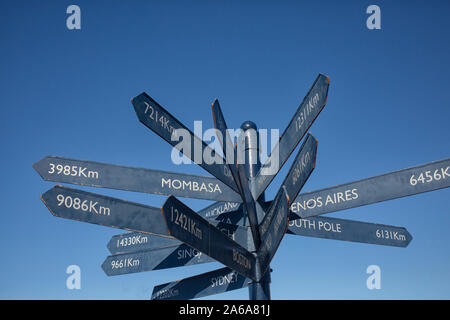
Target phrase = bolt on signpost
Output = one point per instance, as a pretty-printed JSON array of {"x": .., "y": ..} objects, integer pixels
[{"x": 240, "y": 229}]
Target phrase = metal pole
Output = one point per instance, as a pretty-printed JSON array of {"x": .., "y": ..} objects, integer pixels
[{"x": 256, "y": 290}]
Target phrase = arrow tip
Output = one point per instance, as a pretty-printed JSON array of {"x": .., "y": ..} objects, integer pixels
[{"x": 38, "y": 166}]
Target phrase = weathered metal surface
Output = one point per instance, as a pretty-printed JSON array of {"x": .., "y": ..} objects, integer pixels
[
  {"x": 272, "y": 229},
  {"x": 206, "y": 284},
  {"x": 102, "y": 210},
  {"x": 397, "y": 184},
  {"x": 96, "y": 174},
  {"x": 158, "y": 119},
  {"x": 348, "y": 230},
  {"x": 163, "y": 258},
  {"x": 187, "y": 226},
  {"x": 307, "y": 112},
  {"x": 135, "y": 241}
]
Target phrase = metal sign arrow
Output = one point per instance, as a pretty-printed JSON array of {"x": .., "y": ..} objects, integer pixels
[
  {"x": 96, "y": 174},
  {"x": 348, "y": 230},
  {"x": 275, "y": 222},
  {"x": 299, "y": 172},
  {"x": 102, "y": 210},
  {"x": 187, "y": 226},
  {"x": 158, "y": 119},
  {"x": 225, "y": 141},
  {"x": 167, "y": 257},
  {"x": 388, "y": 186},
  {"x": 229, "y": 212},
  {"x": 135, "y": 241},
  {"x": 238, "y": 171},
  {"x": 273, "y": 231},
  {"x": 307, "y": 112},
  {"x": 206, "y": 284}
]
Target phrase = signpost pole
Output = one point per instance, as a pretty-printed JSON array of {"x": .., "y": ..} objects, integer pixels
[{"x": 256, "y": 290}]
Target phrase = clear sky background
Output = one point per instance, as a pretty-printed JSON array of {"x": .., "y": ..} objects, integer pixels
[{"x": 67, "y": 93}]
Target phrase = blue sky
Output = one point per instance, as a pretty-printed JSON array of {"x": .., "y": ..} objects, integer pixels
[{"x": 67, "y": 93}]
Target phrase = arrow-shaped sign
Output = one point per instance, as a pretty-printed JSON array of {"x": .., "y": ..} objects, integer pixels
[
  {"x": 96, "y": 174},
  {"x": 273, "y": 231},
  {"x": 307, "y": 112},
  {"x": 225, "y": 141},
  {"x": 302, "y": 167},
  {"x": 348, "y": 230},
  {"x": 135, "y": 241},
  {"x": 206, "y": 284},
  {"x": 237, "y": 171},
  {"x": 158, "y": 119},
  {"x": 187, "y": 226},
  {"x": 167, "y": 257},
  {"x": 299, "y": 172},
  {"x": 102, "y": 210},
  {"x": 397, "y": 184}
]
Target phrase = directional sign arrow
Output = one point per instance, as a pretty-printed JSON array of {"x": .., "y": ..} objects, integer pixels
[
  {"x": 397, "y": 184},
  {"x": 302, "y": 167},
  {"x": 96, "y": 174},
  {"x": 225, "y": 141},
  {"x": 320, "y": 226},
  {"x": 206, "y": 284},
  {"x": 348, "y": 230},
  {"x": 168, "y": 257},
  {"x": 158, "y": 119},
  {"x": 135, "y": 241},
  {"x": 299, "y": 172},
  {"x": 273, "y": 231},
  {"x": 307, "y": 112},
  {"x": 250, "y": 206},
  {"x": 237, "y": 170},
  {"x": 187, "y": 226},
  {"x": 102, "y": 210}
]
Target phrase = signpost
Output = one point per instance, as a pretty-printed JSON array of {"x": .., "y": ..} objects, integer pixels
[{"x": 240, "y": 230}]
